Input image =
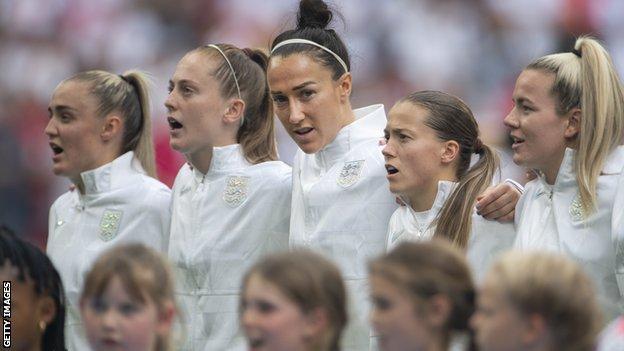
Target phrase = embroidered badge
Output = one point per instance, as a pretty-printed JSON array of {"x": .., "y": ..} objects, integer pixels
[
  {"x": 350, "y": 173},
  {"x": 109, "y": 225},
  {"x": 235, "y": 191},
  {"x": 576, "y": 209}
]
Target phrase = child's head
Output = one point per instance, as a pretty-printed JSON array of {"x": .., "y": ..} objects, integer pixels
[
  {"x": 531, "y": 301},
  {"x": 36, "y": 295},
  {"x": 127, "y": 302},
  {"x": 293, "y": 301},
  {"x": 422, "y": 296}
]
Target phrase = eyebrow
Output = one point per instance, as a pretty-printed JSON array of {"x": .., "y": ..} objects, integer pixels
[
  {"x": 298, "y": 87},
  {"x": 522, "y": 100},
  {"x": 61, "y": 108},
  {"x": 181, "y": 81}
]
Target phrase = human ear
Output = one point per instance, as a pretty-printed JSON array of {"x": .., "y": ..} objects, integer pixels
[
  {"x": 316, "y": 322},
  {"x": 46, "y": 311},
  {"x": 111, "y": 128},
  {"x": 450, "y": 150},
  {"x": 234, "y": 111},
  {"x": 535, "y": 330},
  {"x": 165, "y": 318},
  {"x": 438, "y": 310},
  {"x": 345, "y": 86},
  {"x": 573, "y": 125}
]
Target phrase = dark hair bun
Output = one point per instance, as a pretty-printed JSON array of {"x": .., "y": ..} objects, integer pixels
[{"x": 313, "y": 14}]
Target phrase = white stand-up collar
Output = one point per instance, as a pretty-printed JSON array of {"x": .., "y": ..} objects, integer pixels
[
  {"x": 225, "y": 159},
  {"x": 445, "y": 188},
  {"x": 113, "y": 175},
  {"x": 567, "y": 173},
  {"x": 369, "y": 122}
]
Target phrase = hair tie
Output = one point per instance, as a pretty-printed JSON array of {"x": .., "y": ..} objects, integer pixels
[
  {"x": 478, "y": 146},
  {"x": 576, "y": 52},
  {"x": 310, "y": 42}
]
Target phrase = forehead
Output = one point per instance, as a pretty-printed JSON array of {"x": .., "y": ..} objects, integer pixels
[
  {"x": 285, "y": 72},
  {"x": 535, "y": 85},
  {"x": 75, "y": 94},
  {"x": 407, "y": 115},
  {"x": 196, "y": 66}
]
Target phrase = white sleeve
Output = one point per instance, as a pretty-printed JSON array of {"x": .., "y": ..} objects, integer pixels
[{"x": 617, "y": 232}]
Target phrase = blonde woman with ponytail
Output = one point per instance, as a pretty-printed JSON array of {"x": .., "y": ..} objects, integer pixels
[
  {"x": 567, "y": 124},
  {"x": 431, "y": 138},
  {"x": 231, "y": 203},
  {"x": 100, "y": 136}
]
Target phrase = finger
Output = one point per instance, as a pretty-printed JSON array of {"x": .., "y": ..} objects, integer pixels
[
  {"x": 501, "y": 212},
  {"x": 507, "y": 218},
  {"x": 504, "y": 200},
  {"x": 490, "y": 195}
]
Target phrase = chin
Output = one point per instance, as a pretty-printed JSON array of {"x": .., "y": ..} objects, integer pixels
[{"x": 309, "y": 148}]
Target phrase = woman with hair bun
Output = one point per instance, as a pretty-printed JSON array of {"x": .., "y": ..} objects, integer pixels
[
  {"x": 231, "y": 202},
  {"x": 100, "y": 135},
  {"x": 340, "y": 202},
  {"x": 568, "y": 125}
]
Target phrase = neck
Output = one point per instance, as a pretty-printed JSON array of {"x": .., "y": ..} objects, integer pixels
[
  {"x": 347, "y": 114},
  {"x": 551, "y": 170},
  {"x": 422, "y": 199},
  {"x": 437, "y": 344},
  {"x": 201, "y": 159}
]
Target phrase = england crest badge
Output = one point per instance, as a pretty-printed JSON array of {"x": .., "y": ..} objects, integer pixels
[
  {"x": 235, "y": 191},
  {"x": 576, "y": 209},
  {"x": 109, "y": 225},
  {"x": 350, "y": 173}
]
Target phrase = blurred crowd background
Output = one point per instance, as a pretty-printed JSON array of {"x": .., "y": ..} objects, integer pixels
[{"x": 471, "y": 48}]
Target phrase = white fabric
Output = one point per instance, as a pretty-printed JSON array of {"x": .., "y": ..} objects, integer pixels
[
  {"x": 75, "y": 237},
  {"x": 588, "y": 241},
  {"x": 347, "y": 222},
  {"x": 612, "y": 337},
  {"x": 213, "y": 241},
  {"x": 487, "y": 238}
]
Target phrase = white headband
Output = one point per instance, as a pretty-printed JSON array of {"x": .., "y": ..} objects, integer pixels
[
  {"x": 304, "y": 41},
  {"x": 233, "y": 74}
]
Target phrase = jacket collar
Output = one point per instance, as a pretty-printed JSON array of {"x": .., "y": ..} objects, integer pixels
[
  {"x": 369, "y": 123},
  {"x": 113, "y": 175},
  {"x": 225, "y": 159}
]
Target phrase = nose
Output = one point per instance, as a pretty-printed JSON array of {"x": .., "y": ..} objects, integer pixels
[
  {"x": 170, "y": 103},
  {"x": 510, "y": 120},
  {"x": 296, "y": 113},
  {"x": 388, "y": 150},
  {"x": 474, "y": 321},
  {"x": 248, "y": 318},
  {"x": 50, "y": 129},
  {"x": 109, "y": 319}
]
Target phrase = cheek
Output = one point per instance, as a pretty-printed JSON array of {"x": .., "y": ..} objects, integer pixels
[{"x": 140, "y": 331}]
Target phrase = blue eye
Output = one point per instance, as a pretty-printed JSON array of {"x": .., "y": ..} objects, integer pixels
[
  {"x": 98, "y": 305},
  {"x": 128, "y": 308}
]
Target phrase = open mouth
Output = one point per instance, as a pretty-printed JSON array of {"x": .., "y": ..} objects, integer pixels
[
  {"x": 56, "y": 149},
  {"x": 516, "y": 140},
  {"x": 391, "y": 170},
  {"x": 256, "y": 343},
  {"x": 173, "y": 123},
  {"x": 303, "y": 131}
]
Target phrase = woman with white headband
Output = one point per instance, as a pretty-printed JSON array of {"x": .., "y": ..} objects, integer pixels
[
  {"x": 231, "y": 202},
  {"x": 341, "y": 204}
]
